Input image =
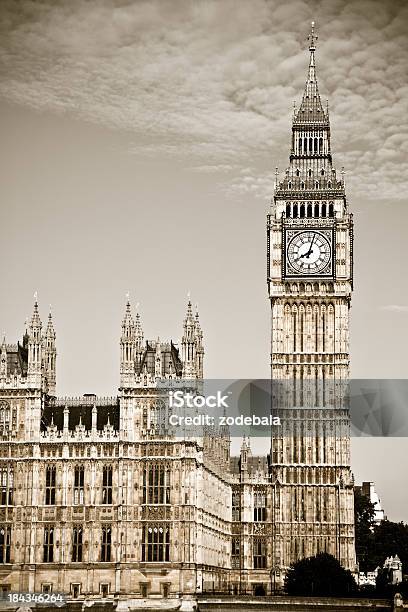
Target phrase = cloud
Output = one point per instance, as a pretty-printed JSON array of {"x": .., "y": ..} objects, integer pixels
[
  {"x": 395, "y": 308},
  {"x": 213, "y": 82}
]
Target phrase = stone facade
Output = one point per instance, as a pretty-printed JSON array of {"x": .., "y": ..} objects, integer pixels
[{"x": 98, "y": 501}]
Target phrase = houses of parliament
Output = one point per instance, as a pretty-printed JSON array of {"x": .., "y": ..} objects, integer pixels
[{"x": 97, "y": 502}]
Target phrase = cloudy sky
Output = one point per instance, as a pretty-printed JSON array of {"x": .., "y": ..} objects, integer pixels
[{"x": 140, "y": 141}]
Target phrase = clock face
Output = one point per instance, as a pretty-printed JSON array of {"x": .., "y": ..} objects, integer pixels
[{"x": 308, "y": 253}]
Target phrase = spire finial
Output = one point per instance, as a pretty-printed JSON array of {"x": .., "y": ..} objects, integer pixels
[
  {"x": 312, "y": 37},
  {"x": 127, "y": 296}
]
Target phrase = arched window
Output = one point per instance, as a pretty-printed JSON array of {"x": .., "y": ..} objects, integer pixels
[
  {"x": 321, "y": 145},
  {"x": 310, "y": 145},
  {"x": 315, "y": 145},
  {"x": 310, "y": 172},
  {"x": 290, "y": 185},
  {"x": 295, "y": 210},
  {"x": 297, "y": 172},
  {"x": 6, "y": 485},
  {"x": 309, "y": 210},
  {"x": 317, "y": 184},
  {"x": 300, "y": 146},
  {"x": 322, "y": 172},
  {"x": 305, "y": 145},
  {"x": 329, "y": 184},
  {"x": 302, "y": 211},
  {"x": 288, "y": 210},
  {"x": 331, "y": 210},
  {"x": 324, "y": 209},
  {"x": 5, "y": 416},
  {"x": 316, "y": 210},
  {"x": 302, "y": 185}
]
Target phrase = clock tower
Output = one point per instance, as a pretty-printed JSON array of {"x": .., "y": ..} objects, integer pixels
[{"x": 310, "y": 280}]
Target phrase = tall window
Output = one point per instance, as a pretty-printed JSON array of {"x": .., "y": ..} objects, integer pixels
[
  {"x": 156, "y": 484},
  {"x": 236, "y": 505},
  {"x": 79, "y": 485},
  {"x": 4, "y": 417},
  {"x": 259, "y": 506},
  {"x": 235, "y": 552},
  {"x": 156, "y": 543},
  {"x": 107, "y": 485},
  {"x": 259, "y": 545},
  {"x": 6, "y": 486},
  {"x": 5, "y": 541},
  {"x": 106, "y": 544},
  {"x": 77, "y": 544},
  {"x": 50, "y": 476},
  {"x": 48, "y": 549}
]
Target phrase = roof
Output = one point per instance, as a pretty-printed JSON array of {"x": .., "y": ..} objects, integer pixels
[
  {"x": 80, "y": 411},
  {"x": 311, "y": 108},
  {"x": 169, "y": 356},
  {"x": 17, "y": 359}
]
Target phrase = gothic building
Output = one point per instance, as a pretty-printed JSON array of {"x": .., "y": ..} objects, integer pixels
[
  {"x": 97, "y": 500},
  {"x": 310, "y": 279}
]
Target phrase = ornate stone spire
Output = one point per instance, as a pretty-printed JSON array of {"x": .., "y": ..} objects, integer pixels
[
  {"x": 127, "y": 341},
  {"x": 191, "y": 344},
  {"x": 127, "y": 323},
  {"x": 311, "y": 109},
  {"x": 3, "y": 358},
  {"x": 50, "y": 355},
  {"x": 138, "y": 330},
  {"x": 35, "y": 322},
  {"x": 50, "y": 332}
]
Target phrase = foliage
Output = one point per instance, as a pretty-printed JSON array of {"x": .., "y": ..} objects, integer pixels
[
  {"x": 390, "y": 539},
  {"x": 374, "y": 543},
  {"x": 364, "y": 523},
  {"x": 321, "y": 575}
]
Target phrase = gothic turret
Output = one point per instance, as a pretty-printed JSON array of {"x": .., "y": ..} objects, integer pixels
[
  {"x": 3, "y": 359},
  {"x": 50, "y": 356},
  {"x": 35, "y": 347},
  {"x": 127, "y": 345},
  {"x": 191, "y": 343}
]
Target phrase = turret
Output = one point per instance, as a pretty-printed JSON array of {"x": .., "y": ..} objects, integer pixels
[
  {"x": 35, "y": 348},
  {"x": 50, "y": 356},
  {"x": 127, "y": 346},
  {"x": 198, "y": 335},
  {"x": 192, "y": 345},
  {"x": 3, "y": 359}
]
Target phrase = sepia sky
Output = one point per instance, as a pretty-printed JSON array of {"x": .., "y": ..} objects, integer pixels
[{"x": 139, "y": 145}]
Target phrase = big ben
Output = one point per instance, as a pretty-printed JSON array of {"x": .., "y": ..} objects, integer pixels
[{"x": 310, "y": 280}]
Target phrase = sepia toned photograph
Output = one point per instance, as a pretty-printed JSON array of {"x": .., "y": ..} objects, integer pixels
[{"x": 204, "y": 313}]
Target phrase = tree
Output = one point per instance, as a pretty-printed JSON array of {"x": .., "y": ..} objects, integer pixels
[
  {"x": 390, "y": 539},
  {"x": 321, "y": 575},
  {"x": 364, "y": 524}
]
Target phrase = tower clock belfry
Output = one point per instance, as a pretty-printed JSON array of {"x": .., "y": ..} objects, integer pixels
[{"x": 310, "y": 280}]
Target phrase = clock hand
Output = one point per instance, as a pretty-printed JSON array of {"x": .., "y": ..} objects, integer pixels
[{"x": 311, "y": 246}]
